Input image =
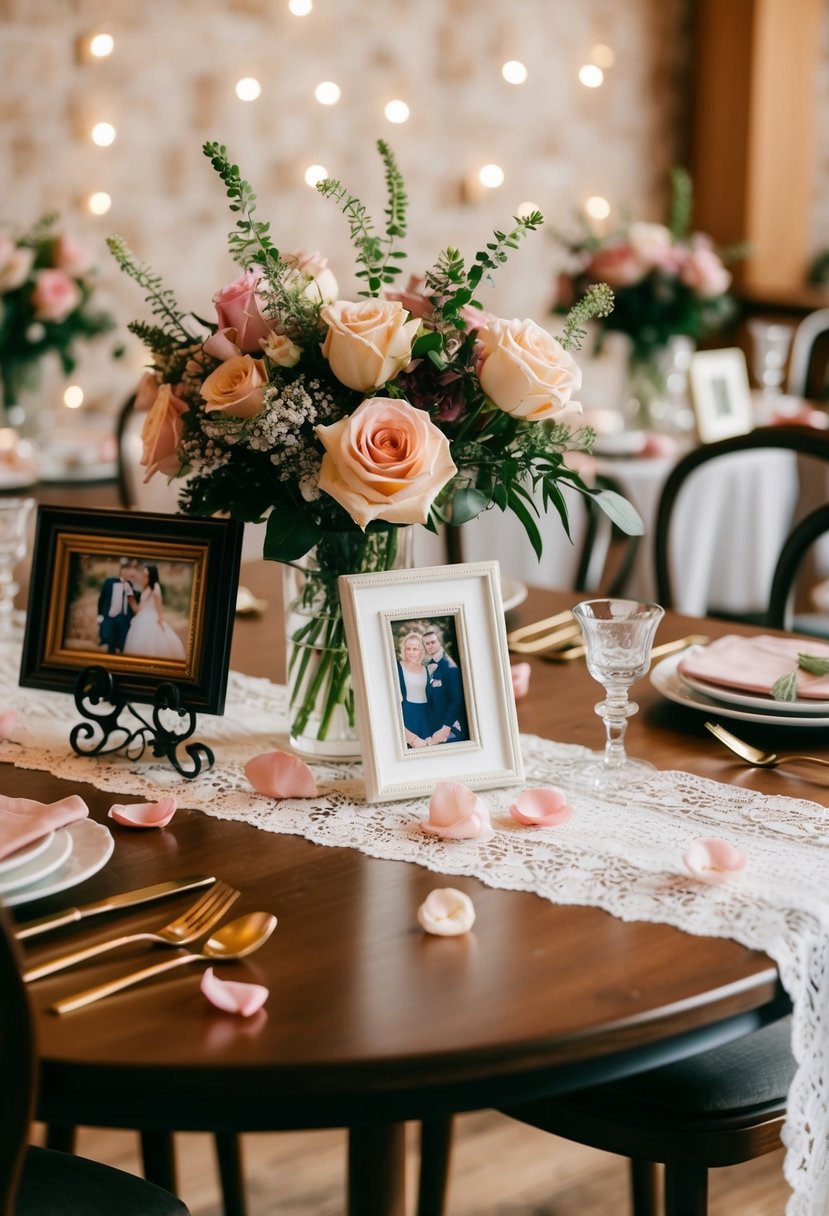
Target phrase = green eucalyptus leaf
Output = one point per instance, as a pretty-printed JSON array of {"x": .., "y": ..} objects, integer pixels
[
  {"x": 468, "y": 504},
  {"x": 620, "y": 511},
  {"x": 290, "y": 534},
  {"x": 813, "y": 664},
  {"x": 785, "y": 689}
]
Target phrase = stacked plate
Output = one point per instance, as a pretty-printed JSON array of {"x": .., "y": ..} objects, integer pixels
[
  {"x": 683, "y": 678},
  {"x": 54, "y": 862}
]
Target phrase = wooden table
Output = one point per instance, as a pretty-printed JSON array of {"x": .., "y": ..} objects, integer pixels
[{"x": 369, "y": 1021}]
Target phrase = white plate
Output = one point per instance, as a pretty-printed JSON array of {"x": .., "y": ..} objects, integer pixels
[
  {"x": 17, "y": 479},
  {"x": 666, "y": 680},
  {"x": 620, "y": 443},
  {"x": 21, "y": 856},
  {"x": 513, "y": 592},
  {"x": 747, "y": 700},
  {"x": 56, "y": 470},
  {"x": 45, "y": 863},
  {"x": 92, "y": 846}
]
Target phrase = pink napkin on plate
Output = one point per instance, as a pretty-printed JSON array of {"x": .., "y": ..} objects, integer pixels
[
  {"x": 755, "y": 663},
  {"x": 22, "y": 820}
]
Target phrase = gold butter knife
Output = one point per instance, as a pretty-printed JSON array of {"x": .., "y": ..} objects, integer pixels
[{"x": 127, "y": 899}]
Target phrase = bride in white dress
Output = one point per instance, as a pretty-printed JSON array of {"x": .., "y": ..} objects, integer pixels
[{"x": 149, "y": 634}]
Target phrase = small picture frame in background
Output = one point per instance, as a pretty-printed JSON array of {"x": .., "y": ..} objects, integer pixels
[
  {"x": 721, "y": 394},
  {"x": 431, "y": 674},
  {"x": 149, "y": 597}
]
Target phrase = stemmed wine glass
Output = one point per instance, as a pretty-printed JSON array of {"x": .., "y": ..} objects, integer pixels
[
  {"x": 14, "y": 528},
  {"x": 770, "y": 350},
  {"x": 618, "y": 635}
]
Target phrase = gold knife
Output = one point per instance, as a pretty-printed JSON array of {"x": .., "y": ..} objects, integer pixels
[{"x": 128, "y": 899}]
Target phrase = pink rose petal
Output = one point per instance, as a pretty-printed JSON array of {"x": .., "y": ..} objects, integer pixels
[
  {"x": 545, "y": 807},
  {"x": 8, "y": 721},
  {"x": 457, "y": 813},
  {"x": 144, "y": 814},
  {"x": 714, "y": 861},
  {"x": 446, "y": 912},
  {"x": 232, "y": 996},
  {"x": 281, "y": 775},
  {"x": 520, "y": 673}
]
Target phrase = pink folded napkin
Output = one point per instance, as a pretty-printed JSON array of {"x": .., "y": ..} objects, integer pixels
[
  {"x": 22, "y": 820},
  {"x": 754, "y": 664}
]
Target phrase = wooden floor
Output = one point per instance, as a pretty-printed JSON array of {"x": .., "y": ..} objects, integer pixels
[{"x": 500, "y": 1168}]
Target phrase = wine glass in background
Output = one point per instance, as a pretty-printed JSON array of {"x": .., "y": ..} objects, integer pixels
[
  {"x": 770, "y": 345},
  {"x": 618, "y": 636},
  {"x": 14, "y": 535}
]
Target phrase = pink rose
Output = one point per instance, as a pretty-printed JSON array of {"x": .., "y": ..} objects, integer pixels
[
  {"x": 412, "y": 298},
  {"x": 55, "y": 295},
  {"x": 616, "y": 265},
  {"x": 654, "y": 246},
  {"x": 312, "y": 269},
  {"x": 146, "y": 392},
  {"x": 704, "y": 272},
  {"x": 385, "y": 461},
  {"x": 222, "y": 345},
  {"x": 71, "y": 256},
  {"x": 161, "y": 434},
  {"x": 237, "y": 307},
  {"x": 368, "y": 343},
  {"x": 236, "y": 387},
  {"x": 525, "y": 371}
]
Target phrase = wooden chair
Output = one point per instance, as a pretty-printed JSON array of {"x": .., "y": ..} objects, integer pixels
[
  {"x": 781, "y": 600},
  {"x": 808, "y": 331},
  {"x": 805, "y": 441},
  {"x": 35, "y": 1181}
]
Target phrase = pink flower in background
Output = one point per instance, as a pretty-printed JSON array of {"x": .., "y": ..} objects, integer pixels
[
  {"x": 238, "y": 307},
  {"x": 15, "y": 264},
  {"x": 55, "y": 295},
  {"x": 73, "y": 257},
  {"x": 704, "y": 272},
  {"x": 617, "y": 265},
  {"x": 653, "y": 245}
]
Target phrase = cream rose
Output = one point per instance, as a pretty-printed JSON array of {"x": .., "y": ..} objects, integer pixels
[
  {"x": 281, "y": 350},
  {"x": 385, "y": 461},
  {"x": 312, "y": 270},
  {"x": 367, "y": 343},
  {"x": 235, "y": 387},
  {"x": 525, "y": 371},
  {"x": 161, "y": 433}
]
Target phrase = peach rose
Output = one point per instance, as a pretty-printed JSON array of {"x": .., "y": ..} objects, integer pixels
[
  {"x": 15, "y": 264},
  {"x": 55, "y": 295},
  {"x": 235, "y": 387},
  {"x": 312, "y": 269},
  {"x": 282, "y": 351},
  {"x": 146, "y": 392},
  {"x": 367, "y": 343},
  {"x": 385, "y": 461},
  {"x": 525, "y": 371},
  {"x": 237, "y": 307},
  {"x": 161, "y": 434}
]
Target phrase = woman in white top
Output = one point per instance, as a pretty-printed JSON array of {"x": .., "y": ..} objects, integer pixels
[
  {"x": 149, "y": 635},
  {"x": 413, "y": 679}
]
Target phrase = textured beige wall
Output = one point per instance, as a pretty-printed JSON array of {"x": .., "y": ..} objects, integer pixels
[{"x": 170, "y": 85}]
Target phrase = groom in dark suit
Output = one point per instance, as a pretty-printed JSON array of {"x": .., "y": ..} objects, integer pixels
[
  {"x": 444, "y": 693},
  {"x": 116, "y": 604}
]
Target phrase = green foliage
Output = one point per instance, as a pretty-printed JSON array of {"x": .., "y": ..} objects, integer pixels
[
  {"x": 161, "y": 300},
  {"x": 249, "y": 240},
  {"x": 597, "y": 301},
  {"x": 682, "y": 204}
]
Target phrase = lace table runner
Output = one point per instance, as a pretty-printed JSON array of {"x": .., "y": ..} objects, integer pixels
[{"x": 623, "y": 856}]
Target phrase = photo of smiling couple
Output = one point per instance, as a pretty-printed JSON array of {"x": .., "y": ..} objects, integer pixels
[{"x": 431, "y": 684}]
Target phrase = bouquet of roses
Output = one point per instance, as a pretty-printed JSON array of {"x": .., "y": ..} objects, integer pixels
[
  {"x": 666, "y": 280},
  {"x": 340, "y": 421},
  {"x": 46, "y": 285}
]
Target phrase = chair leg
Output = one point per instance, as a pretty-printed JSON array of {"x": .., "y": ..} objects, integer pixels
[
  {"x": 231, "y": 1174},
  {"x": 159, "y": 1159},
  {"x": 644, "y": 1187},
  {"x": 435, "y": 1155},
  {"x": 61, "y": 1137},
  {"x": 686, "y": 1190}
]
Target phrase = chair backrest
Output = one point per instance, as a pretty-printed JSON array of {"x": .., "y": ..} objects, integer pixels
[
  {"x": 805, "y": 441},
  {"x": 17, "y": 1066},
  {"x": 798, "y": 543},
  {"x": 808, "y": 330}
]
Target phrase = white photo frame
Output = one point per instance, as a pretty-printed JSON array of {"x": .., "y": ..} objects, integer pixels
[
  {"x": 463, "y": 604},
  {"x": 721, "y": 394}
]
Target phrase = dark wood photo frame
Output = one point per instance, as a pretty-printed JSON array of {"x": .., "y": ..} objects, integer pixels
[{"x": 65, "y": 631}]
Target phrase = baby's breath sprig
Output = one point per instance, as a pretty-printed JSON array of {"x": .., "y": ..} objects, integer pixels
[{"x": 597, "y": 301}]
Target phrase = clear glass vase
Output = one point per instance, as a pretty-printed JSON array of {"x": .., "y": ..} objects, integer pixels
[
  {"x": 318, "y": 668},
  {"x": 658, "y": 393}
]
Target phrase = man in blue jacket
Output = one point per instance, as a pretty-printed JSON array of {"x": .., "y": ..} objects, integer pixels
[{"x": 444, "y": 692}]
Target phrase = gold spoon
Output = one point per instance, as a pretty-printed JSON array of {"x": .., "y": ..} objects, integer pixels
[
  {"x": 235, "y": 940},
  {"x": 753, "y": 754}
]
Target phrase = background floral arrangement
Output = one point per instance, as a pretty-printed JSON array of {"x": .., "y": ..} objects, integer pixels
[
  {"x": 666, "y": 280},
  {"x": 46, "y": 285},
  {"x": 332, "y": 417}
]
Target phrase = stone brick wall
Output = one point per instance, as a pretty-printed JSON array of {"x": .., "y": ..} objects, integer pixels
[{"x": 169, "y": 85}]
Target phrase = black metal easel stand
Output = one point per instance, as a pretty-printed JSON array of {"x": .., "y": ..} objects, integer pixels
[{"x": 99, "y": 699}]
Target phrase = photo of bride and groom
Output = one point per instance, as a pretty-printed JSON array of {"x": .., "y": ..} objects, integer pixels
[{"x": 432, "y": 700}]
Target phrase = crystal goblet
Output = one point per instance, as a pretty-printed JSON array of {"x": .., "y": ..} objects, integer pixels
[
  {"x": 770, "y": 352},
  {"x": 618, "y": 635},
  {"x": 14, "y": 531}
]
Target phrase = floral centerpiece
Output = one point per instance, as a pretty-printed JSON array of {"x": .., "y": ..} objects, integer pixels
[
  {"x": 46, "y": 285},
  {"x": 667, "y": 281},
  {"x": 342, "y": 422}
]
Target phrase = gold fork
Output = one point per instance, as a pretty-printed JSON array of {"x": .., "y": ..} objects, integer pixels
[
  {"x": 198, "y": 919},
  {"x": 544, "y": 635},
  {"x": 753, "y": 755}
]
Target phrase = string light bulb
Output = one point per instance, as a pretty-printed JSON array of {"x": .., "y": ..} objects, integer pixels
[
  {"x": 591, "y": 76},
  {"x": 514, "y": 72},
  {"x": 248, "y": 88},
  {"x": 491, "y": 176},
  {"x": 99, "y": 202},
  {"x": 327, "y": 93},
  {"x": 397, "y": 111},
  {"x": 597, "y": 208},
  {"x": 314, "y": 174},
  {"x": 300, "y": 8},
  {"x": 527, "y": 208},
  {"x": 101, "y": 45},
  {"x": 103, "y": 134},
  {"x": 73, "y": 396}
]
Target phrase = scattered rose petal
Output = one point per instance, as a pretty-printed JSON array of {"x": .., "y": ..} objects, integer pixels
[
  {"x": 446, "y": 912},
  {"x": 520, "y": 673},
  {"x": 232, "y": 996},
  {"x": 545, "y": 807},
  {"x": 714, "y": 861},
  {"x": 144, "y": 814},
  {"x": 281, "y": 775},
  {"x": 457, "y": 813},
  {"x": 8, "y": 721}
]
